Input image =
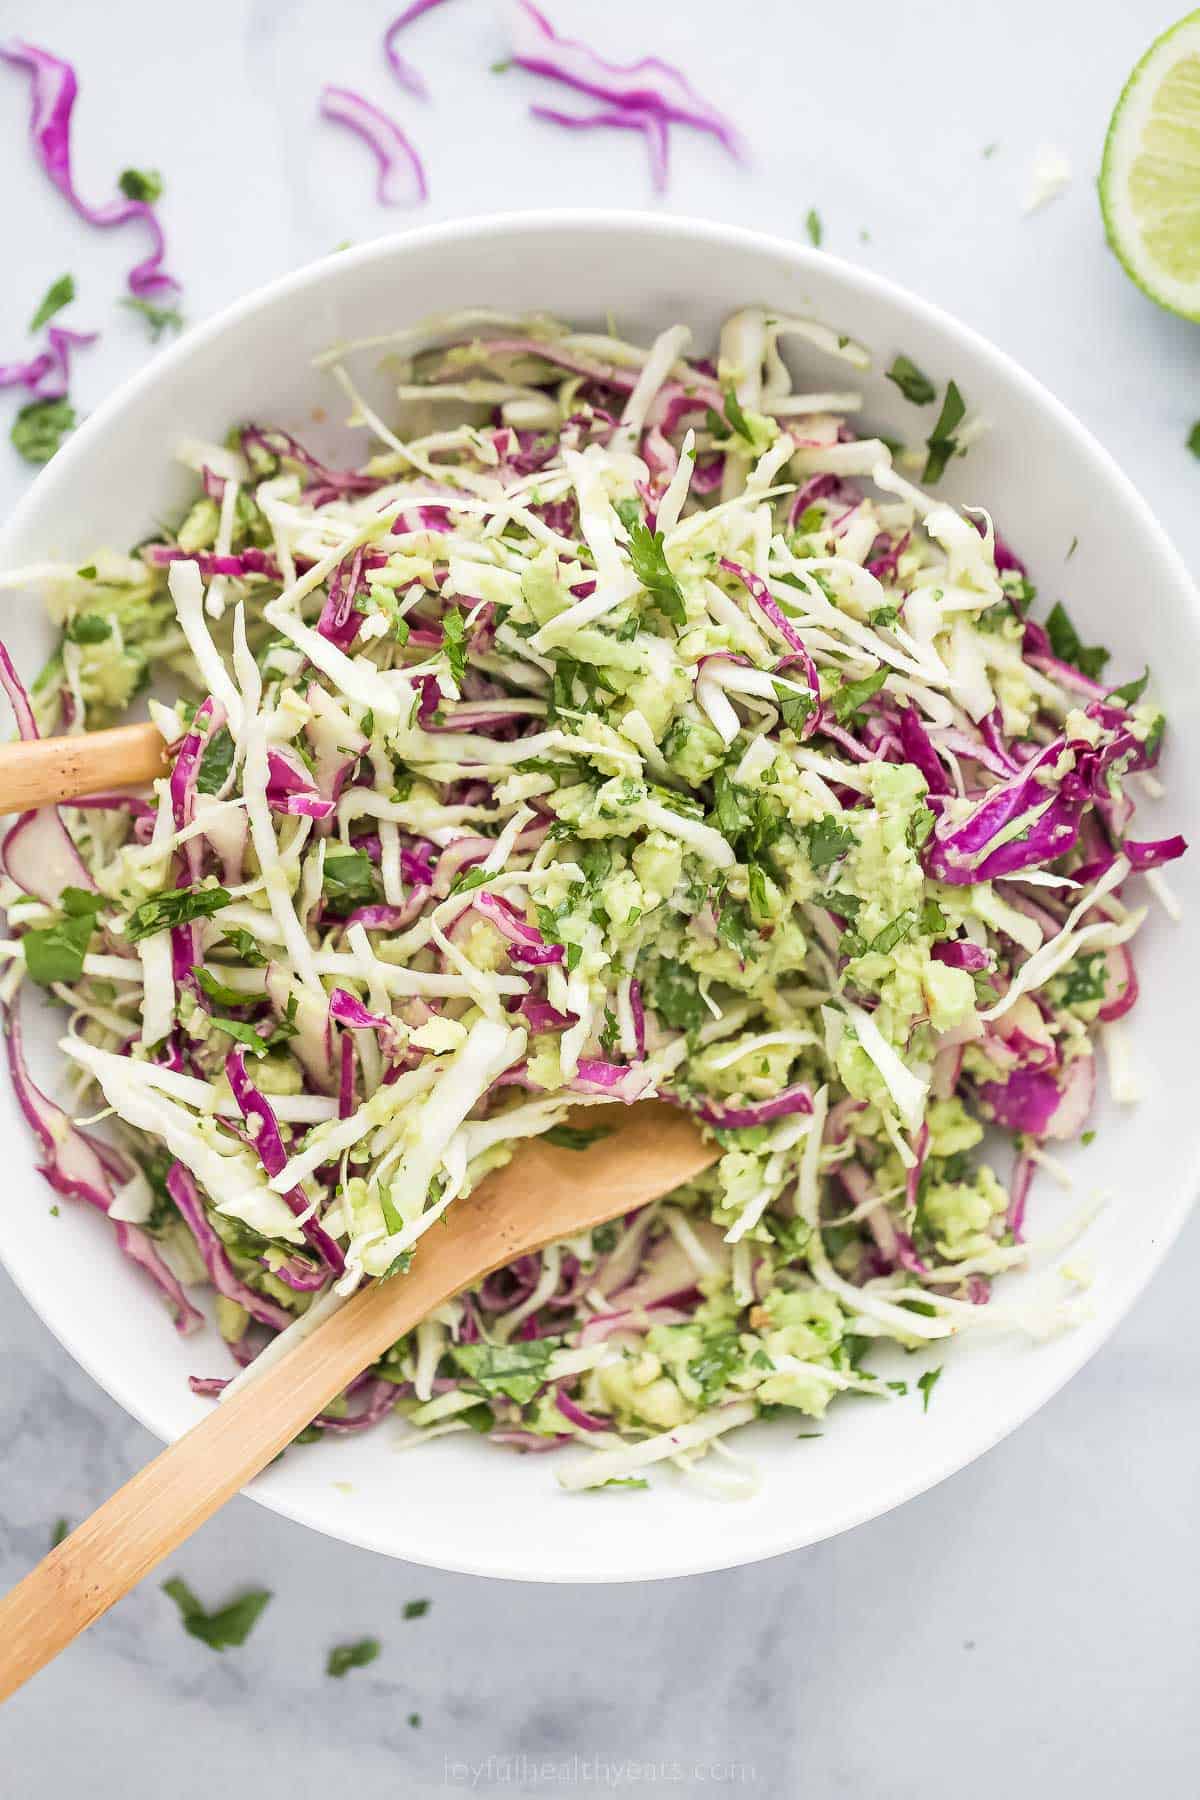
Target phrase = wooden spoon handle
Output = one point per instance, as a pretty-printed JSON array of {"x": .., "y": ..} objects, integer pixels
[
  {"x": 44, "y": 771},
  {"x": 192, "y": 1478},
  {"x": 544, "y": 1194}
]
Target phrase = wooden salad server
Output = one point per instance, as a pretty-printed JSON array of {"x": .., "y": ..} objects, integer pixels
[
  {"x": 545, "y": 1193},
  {"x": 46, "y": 771}
]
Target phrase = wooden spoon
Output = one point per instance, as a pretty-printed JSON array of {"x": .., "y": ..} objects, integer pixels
[
  {"x": 45, "y": 771},
  {"x": 544, "y": 1194}
]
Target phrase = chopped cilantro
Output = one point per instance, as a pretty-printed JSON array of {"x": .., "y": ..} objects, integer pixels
[
  {"x": 416, "y": 1609},
  {"x": 1193, "y": 442},
  {"x": 612, "y": 1030},
  {"x": 677, "y": 998},
  {"x": 517, "y": 1370},
  {"x": 60, "y": 293},
  {"x": 454, "y": 642},
  {"x": 468, "y": 879},
  {"x": 1131, "y": 693},
  {"x": 60, "y": 1531},
  {"x": 795, "y": 708},
  {"x": 39, "y": 429},
  {"x": 926, "y": 1384},
  {"x": 734, "y": 929},
  {"x": 934, "y": 922},
  {"x": 1069, "y": 647},
  {"x": 87, "y": 628},
  {"x": 919, "y": 828},
  {"x": 719, "y": 1356},
  {"x": 1086, "y": 1138},
  {"x": 913, "y": 383},
  {"x": 244, "y": 944},
  {"x": 344, "y": 1657},
  {"x": 218, "y": 991},
  {"x": 145, "y": 185},
  {"x": 575, "y": 1137},
  {"x": 826, "y": 841},
  {"x": 216, "y": 762},
  {"x": 650, "y": 566},
  {"x": 812, "y": 225},
  {"x": 246, "y": 1035},
  {"x": 852, "y": 694},
  {"x": 175, "y": 906},
  {"x": 941, "y": 442},
  {"x": 230, "y": 1626},
  {"x": 1086, "y": 979},
  {"x": 158, "y": 318},
  {"x": 348, "y": 880}
]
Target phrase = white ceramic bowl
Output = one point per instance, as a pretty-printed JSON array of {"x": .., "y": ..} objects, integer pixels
[{"x": 461, "y": 1504}]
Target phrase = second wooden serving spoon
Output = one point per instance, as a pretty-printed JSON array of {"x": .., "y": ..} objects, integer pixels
[{"x": 544, "y": 1194}]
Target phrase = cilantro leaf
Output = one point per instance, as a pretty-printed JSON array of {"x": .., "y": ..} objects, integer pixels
[
  {"x": 348, "y": 880},
  {"x": 218, "y": 991},
  {"x": 629, "y": 511},
  {"x": 216, "y": 762},
  {"x": 467, "y": 880},
  {"x": 158, "y": 318},
  {"x": 650, "y": 566},
  {"x": 734, "y": 930},
  {"x": 230, "y": 1626},
  {"x": 60, "y": 293},
  {"x": 145, "y": 185},
  {"x": 1131, "y": 693},
  {"x": 676, "y": 997},
  {"x": 454, "y": 642},
  {"x": 1086, "y": 979},
  {"x": 39, "y": 429},
  {"x": 719, "y": 1356},
  {"x": 853, "y": 694},
  {"x": 61, "y": 1530},
  {"x": 87, "y": 628},
  {"x": 794, "y": 708},
  {"x": 416, "y": 1609},
  {"x": 812, "y": 224},
  {"x": 941, "y": 442},
  {"x": 56, "y": 952},
  {"x": 920, "y": 828},
  {"x": 244, "y": 945},
  {"x": 246, "y": 1035},
  {"x": 517, "y": 1370},
  {"x": 174, "y": 906},
  {"x": 736, "y": 417},
  {"x": 574, "y": 1137},
  {"x": 344, "y": 1657},
  {"x": 933, "y": 921},
  {"x": 926, "y": 1384},
  {"x": 1069, "y": 647},
  {"x": 913, "y": 383},
  {"x": 894, "y": 932},
  {"x": 826, "y": 841}
]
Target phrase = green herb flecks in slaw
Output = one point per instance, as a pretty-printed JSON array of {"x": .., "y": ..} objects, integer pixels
[{"x": 624, "y": 726}]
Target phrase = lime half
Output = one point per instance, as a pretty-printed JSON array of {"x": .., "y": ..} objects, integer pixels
[{"x": 1150, "y": 176}]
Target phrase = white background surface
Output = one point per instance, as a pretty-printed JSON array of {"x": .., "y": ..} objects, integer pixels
[{"x": 1027, "y": 1627}]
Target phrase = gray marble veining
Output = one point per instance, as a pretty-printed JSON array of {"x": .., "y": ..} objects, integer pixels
[{"x": 1027, "y": 1627}]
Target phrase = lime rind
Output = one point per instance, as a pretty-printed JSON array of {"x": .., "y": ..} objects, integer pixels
[{"x": 1150, "y": 174}]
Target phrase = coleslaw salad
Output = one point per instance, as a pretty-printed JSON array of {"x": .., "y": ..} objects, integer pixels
[{"x": 624, "y": 725}]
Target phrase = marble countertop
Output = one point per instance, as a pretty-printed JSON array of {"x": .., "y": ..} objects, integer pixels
[{"x": 1018, "y": 1628}]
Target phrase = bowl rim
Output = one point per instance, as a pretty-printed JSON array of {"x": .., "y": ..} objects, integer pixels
[{"x": 601, "y": 222}]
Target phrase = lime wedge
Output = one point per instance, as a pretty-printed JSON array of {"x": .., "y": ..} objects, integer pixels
[{"x": 1150, "y": 176}]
